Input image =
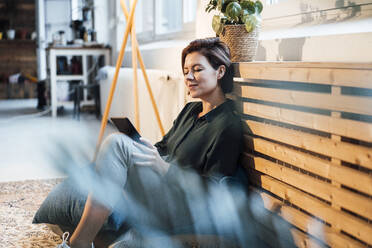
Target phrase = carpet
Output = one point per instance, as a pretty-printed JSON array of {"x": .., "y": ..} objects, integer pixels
[{"x": 19, "y": 201}]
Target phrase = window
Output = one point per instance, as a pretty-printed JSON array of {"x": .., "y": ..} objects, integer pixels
[
  {"x": 161, "y": 19},
  {"x": 269, "y": 2},
  {"x": 76, "y": 7}
]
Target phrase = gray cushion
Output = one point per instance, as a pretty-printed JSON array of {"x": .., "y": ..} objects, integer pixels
[{"x": 64, "y": 206}]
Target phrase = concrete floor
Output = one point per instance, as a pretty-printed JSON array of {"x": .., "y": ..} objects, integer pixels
[{"x": 31, "y": 146}]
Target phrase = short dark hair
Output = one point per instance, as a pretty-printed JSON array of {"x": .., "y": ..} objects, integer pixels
[{"x": 217, "y": 54}]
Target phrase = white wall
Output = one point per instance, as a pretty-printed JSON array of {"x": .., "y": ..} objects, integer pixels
[
  {"x": 298, "y": 30},
  {"x": 57, "y": 17},
  {"x": 293, "y": 30},
  {"x": 104, "y": 21},
  {"x": 164, "y": 55},
  {"x": 317, "y": 30}
]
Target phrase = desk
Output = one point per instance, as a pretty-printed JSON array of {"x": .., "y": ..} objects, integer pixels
[{"x": 84, "y": 52}]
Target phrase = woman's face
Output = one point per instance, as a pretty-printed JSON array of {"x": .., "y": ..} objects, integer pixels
[{"x": 200, "y": 77}]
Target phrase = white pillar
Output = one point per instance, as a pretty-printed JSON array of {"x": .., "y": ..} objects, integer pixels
[{"x": 41, "y": 40}]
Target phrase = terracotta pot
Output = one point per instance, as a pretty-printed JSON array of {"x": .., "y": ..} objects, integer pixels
[{"x": 22, "y": 34}]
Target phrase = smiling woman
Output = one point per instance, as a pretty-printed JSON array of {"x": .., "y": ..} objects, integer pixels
[
  {"x": 176, "y": 186},
  {"x": 207, "y": 69}
]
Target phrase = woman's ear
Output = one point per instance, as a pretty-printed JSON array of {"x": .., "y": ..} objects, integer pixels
[{"x": 221, "y": 71}]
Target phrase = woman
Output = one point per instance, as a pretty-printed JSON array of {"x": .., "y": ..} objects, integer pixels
[{"x": 205, "y": 140}]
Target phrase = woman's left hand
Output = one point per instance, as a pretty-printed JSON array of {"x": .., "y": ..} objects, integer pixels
[{"x": 150, "y": 157}]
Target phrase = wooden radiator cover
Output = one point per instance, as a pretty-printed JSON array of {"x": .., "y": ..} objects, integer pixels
[{"x": 308, "y": 137}]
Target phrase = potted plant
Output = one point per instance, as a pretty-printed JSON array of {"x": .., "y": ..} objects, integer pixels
[
  {"x": 237, "y": 23},
  {"x": 11, "y": 9}
]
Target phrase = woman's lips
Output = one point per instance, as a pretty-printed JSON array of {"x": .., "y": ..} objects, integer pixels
[{"x": 192, "y": 86}]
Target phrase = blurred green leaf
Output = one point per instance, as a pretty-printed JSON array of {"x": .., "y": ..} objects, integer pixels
[
  {"x": 248, "y": 6},
  {"x": 217, "y": 25},
  {"x": 250, "y": 22},
  {"x": 211, "y": 6},
  {"x": 258, "y": 6},
  {"x": 220, "y": 3},
  {"x": 233, "y": 10}
]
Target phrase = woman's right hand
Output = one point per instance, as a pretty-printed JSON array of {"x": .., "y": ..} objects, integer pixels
[{"x": 150, "y": 157}]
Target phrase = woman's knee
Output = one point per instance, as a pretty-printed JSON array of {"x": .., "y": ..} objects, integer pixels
[
  {"x": 115, "y": 141},
  {"x": 116, "y": 150}
]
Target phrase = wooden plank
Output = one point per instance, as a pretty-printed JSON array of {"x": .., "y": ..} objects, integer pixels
[
  {"x": 325, "y": 76},
  {"x": 343, "y": 175},
  {"x": 303, "y": 241},
  {"x": 336, "y": 90},
  {"x": 343, "y": 127},
  {"x": 310, "y": 225},
  {"x": 343, "y": 103},
  {"x": 344, "y": 151},
  {"x": 300, "y": 64},
  {"x": 346, "y": 199},
  {"x": 349, "y": 224}
]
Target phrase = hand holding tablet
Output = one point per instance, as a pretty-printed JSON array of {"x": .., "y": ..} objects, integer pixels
[{"x": 125, "y": 126}]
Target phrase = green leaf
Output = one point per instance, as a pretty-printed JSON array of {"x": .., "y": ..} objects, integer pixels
[
  {"x": 233, "y": 10},
  {"x": 220, "y": 4},
  {"x": 211, "y": 6},
  {"x": 250, "y": 22},
  {"x": 259, "y": 7},
  {"x": 216, "y": 24},
  {"x": 223, "y": 20},
  {"x": 248, "y": 6}
]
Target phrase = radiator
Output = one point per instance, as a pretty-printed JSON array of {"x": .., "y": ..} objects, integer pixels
[{"x": 168, "y": 90}]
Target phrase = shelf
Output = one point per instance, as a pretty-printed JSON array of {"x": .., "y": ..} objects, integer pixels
[
  {"x": 69, "y": 77},
  {"x": 17, "y": 41}
]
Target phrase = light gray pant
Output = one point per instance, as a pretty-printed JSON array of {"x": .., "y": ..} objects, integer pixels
[
  {"x": 156, "y": 206},
  {"x": 141, "y": 196}
]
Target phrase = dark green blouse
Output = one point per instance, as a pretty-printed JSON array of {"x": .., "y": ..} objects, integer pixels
[{"x": 210, "y": 144}]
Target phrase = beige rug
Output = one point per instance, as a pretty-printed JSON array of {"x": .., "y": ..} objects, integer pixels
[{"x": 18, "y": 203}]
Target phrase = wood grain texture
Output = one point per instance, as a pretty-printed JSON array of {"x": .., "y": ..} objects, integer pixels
[
  {"x": 351, "y": 77},
  {"x": 304, "y": 241},
  {"x": 345, "y": 222},
  {"x": 346, "y": 176},
  {"x": 343, "y": 103},
  {"x": 309, "y": 224},
  {"x": 301, "y": 64},
  {"x": 348, "y": 200},
  {"x": 351, "y": 153},
  {"x": 343, "y": 127}
]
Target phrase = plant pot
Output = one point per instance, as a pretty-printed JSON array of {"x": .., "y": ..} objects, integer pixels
[
  {"x": 243, "y": 45},
  {"x": 22, "y": 34},
  {"x": 10, "y": 34}
]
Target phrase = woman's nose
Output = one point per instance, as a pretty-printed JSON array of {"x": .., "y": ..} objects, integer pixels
[{"x": 189, "y": 75}]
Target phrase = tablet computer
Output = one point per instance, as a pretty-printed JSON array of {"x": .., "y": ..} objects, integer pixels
[{"x": 125, "y": 126}]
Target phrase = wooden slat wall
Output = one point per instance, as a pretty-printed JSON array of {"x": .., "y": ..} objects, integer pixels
[{"x": 308, "y": 138}]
